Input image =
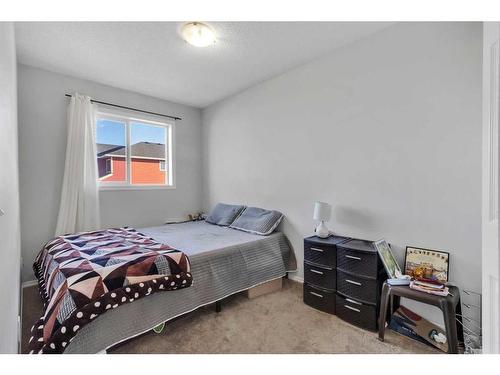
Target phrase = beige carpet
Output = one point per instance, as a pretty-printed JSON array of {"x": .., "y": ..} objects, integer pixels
[{"x": 275, "y": 323}]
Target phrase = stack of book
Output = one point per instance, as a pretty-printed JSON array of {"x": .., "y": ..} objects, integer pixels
[{"x": 429, "y": 286}]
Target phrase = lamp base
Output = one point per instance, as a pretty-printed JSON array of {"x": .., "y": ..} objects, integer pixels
[{"x": 322, "y": 231}]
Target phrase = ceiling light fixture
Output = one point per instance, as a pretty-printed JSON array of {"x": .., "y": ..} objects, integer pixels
[{"x": 198, "y": 34}]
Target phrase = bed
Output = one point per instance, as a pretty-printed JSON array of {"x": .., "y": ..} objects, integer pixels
[{"x": 223, "y": 261}]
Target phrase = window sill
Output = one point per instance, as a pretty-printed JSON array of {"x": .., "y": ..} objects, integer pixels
[{"x": 136, "y": 187}]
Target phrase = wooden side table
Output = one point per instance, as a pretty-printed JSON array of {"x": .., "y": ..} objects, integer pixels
[{"x": 449, "y": 305}]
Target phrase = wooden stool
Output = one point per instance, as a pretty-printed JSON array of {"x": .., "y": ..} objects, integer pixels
[{"x": 449, "y": 305}]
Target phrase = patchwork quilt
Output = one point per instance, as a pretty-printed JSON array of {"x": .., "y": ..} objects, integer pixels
[{"x": 83, "y": 275}]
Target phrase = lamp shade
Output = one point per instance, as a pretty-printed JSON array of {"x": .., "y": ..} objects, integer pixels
[{"x": 322, "y": 211}]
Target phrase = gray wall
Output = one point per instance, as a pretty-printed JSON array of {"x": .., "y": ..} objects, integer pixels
[
  {"x": 9, "y": 193},
  {"x": 42, "y": 140},
  {"x": 388, "y": 130}
]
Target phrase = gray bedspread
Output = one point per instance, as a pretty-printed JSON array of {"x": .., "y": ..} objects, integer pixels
[{"x": 224, "y": 261}]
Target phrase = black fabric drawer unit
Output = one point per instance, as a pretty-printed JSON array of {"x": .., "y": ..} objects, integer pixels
[
  {"x": 320, "y": 276},
  {"x": 357, "y": 287},
  {"x": 318, "y": 254},
  {"x": 343, "y": 276},
  {"x": 319, "y": 298},
  {"x": 356, "y": 312},
  {"x": 361, "y": 263}
]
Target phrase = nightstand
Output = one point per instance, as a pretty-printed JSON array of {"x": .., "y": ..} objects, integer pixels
[
  {"x": 450, "y": 305},
  {"x": 320, "y": 272},
  {"x": 343, "y": 276},
  {"x": 360, "y": 275}
]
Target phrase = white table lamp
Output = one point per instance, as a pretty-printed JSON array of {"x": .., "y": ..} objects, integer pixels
[{"x": 322, "y": 212}]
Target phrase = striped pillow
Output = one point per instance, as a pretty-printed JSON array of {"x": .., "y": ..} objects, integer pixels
[
  {"x": 224, "y": 214},
  {"x": 257, "y": 220}
]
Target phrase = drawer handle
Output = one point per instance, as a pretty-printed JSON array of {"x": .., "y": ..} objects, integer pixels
[
  {"x": 316, "y": 294},
  {"x": 353, "y": 301},
  {"x": 469, "y": 306},
  {"x": 316, "y": 249},
  {"x": 353, "y": 257},
  {"x": 353, "y": 282},
  {"x": 316, "y": 271},
  {"x": 352, "y": 308}
]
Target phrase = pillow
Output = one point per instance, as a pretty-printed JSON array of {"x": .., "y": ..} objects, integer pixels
[
  {"x": 257, "y": 220},
  {"x": 224, "y": 214}
]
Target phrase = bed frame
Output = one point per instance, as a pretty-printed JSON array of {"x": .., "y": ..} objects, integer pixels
[{"x": 257, "y": 291}]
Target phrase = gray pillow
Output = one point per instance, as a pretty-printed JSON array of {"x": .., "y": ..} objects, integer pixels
[
  {"x": 224, "y": 214},
  {"x": 257, "y": 220}
]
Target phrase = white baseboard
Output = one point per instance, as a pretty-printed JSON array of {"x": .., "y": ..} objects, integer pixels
[
  {"x": 27, "y": 284},
  {"x": 296, "y": 278}
]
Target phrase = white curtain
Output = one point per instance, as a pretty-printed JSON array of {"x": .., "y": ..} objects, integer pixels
[{"x": 79, "y": 207}]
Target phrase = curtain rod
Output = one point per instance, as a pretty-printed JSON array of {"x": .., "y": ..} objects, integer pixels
[{"x": 130, "y": 108}]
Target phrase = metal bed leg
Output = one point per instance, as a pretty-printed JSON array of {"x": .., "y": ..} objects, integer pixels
[{"x": 218, "y": 306}]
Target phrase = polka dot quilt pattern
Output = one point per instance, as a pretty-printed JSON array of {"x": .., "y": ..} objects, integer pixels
[{"x": 83, "y": 275}]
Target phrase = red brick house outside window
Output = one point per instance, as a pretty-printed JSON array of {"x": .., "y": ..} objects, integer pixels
[{"x": 147, "y": 163}]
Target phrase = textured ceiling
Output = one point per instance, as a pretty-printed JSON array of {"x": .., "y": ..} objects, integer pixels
[{"x": 151, "y": 58}]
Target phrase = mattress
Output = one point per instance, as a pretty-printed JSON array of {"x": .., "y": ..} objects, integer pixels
[{"x": 224, "y": 261}]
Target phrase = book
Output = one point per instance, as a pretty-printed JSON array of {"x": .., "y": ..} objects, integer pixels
[
  {"x": 431, "y": 290},
  {"x": 427, "y": 284},
  {"x": 398, "y": 281},
  {"x": 429, "y": 281}
]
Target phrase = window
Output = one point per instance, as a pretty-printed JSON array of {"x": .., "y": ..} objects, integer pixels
[
  {"x": 109, "y": 166},
  {"x": 133, "y": 152}
]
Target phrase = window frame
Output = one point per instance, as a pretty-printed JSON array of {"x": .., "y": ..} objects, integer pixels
[{"x": 127, "y": 118}]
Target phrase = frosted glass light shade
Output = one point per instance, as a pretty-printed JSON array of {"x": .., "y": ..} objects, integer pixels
[
  {"x": 322, "y": 211},
  {"x": 198, "y": 34}
]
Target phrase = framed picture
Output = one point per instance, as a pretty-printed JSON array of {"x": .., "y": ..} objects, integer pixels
[
  {"x": 427, "y": 263},
  {"x": 390, "y": 263}
]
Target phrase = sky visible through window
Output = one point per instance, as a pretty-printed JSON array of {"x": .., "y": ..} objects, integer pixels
[{"x": 113, "y": 133}]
